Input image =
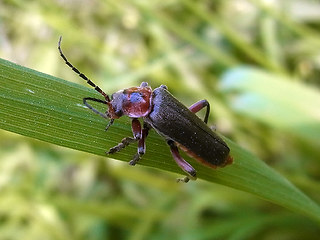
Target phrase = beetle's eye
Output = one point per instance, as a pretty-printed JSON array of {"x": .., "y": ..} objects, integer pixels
[{"x": 119, "y": 112}]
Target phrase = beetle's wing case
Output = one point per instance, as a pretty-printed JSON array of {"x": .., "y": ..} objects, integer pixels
[{"x": 174, "y": 121}]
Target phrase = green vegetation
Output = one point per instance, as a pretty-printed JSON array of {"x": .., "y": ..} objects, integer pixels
[{"x": 255, "y": 63}]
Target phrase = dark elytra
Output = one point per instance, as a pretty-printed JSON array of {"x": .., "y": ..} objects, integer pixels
[{"x": 170, "y": 118}]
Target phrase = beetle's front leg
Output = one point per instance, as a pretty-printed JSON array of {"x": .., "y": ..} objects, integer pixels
[
  {"x": 136, "y": 130},
  {"x": 141, "y": 145},
  {"x": 185, "y": 166}
]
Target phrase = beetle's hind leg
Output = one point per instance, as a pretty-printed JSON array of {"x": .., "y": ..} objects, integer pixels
[
  {"x": 136, "y": 130},
  {"x": 141, "y": 145},
  {"x": 196, "y": 107},
  {"x": 185, "y": 166}
]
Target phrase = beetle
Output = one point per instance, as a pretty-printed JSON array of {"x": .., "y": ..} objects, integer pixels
[{"x": 161, "y": 111}]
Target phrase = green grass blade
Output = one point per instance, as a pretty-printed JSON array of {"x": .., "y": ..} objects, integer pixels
[{"x": 50, "y": 109}]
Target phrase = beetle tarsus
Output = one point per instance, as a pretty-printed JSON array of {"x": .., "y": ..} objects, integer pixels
[
  {"x": 213, "y": 128},
  {"x": 125, "y": 142},
  {"x": 185, "y": 180},
  {"x": 135, "y": 159}
]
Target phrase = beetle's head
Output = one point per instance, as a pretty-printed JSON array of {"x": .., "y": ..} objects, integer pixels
[{"x": 133, "y": 102}]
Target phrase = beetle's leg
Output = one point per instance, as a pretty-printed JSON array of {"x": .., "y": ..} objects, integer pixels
[
  {"x": 185, "y": 166},
  {"x": 136, "y": 130},
  {"x": 196, "y": 107},
  {"x": 141, "y": 145},
  {"x": 213, "y": 128}
]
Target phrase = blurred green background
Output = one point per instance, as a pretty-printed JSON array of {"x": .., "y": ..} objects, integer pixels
[{"x": 258, "y": 64}]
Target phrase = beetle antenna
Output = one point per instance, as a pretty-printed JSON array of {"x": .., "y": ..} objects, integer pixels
[
  {"x": 96, "y": 111},
  {"x": 92, "y": 108},
  {"x": 97, "y": 88}
]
